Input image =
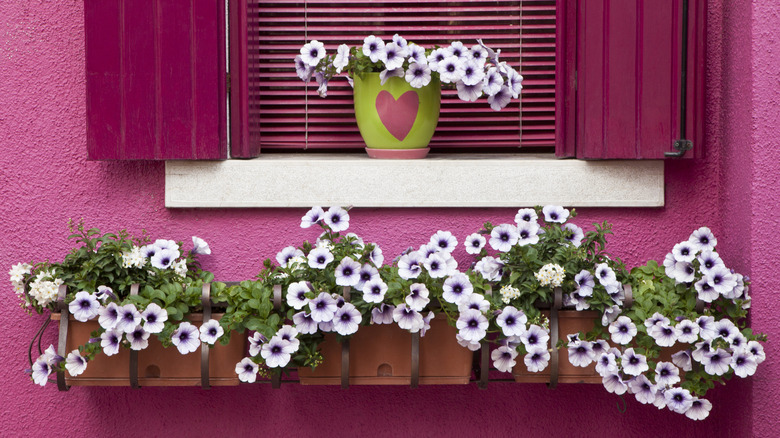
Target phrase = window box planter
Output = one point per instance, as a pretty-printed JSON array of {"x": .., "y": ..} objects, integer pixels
[
  {"x": 157, "y": 365},
  {"x": 382, "y": 355}
]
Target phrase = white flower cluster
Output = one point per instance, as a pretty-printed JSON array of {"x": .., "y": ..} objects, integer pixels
[
  {"x": 17, "y": 273},
  {"x": 712, "y": 279},
  {"x": 44, "y": 288},
  {"x": 133, "y": 258},
  {"x": 474, "y": 71},
  {"x": 551, "y": 275},
  {"x": 508, "y": 293}
]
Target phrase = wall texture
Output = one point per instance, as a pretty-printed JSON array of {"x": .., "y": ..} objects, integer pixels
[{"x": 45, "y": 180}]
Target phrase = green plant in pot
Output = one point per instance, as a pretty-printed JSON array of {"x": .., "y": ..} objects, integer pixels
[{"x": 397, "y": 86}]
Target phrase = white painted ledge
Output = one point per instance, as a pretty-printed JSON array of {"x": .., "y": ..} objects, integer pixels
[{"x": 441, "y": 180}]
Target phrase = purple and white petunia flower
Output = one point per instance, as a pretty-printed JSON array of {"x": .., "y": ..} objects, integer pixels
[
  {"x": 346, "y": 320},
  {"x": 436, "y": 265},
  {"x": 304, "y": 323},
  {"x": 374, "y": 291},
  {"x": 580, "y": 353},
  {"x": 312, "y": 53},
  {"x": 41, "y": 369},
  {"x": 610, "y": 315},
  {"x": 526, "y": 215},
  {"x": 527, "y": 233},
  {"x": 110, "y": 340},
  {"x": 707, "y": 329},
  {"x": 472, "y": 325},
  {"x": 247, "y": 370},
  {"x": 703, "y": 239},
  {"x": 393, "y": 56},
  {"x": 296, "y": 294},
  {"x": 684, "y": 252},
  {"x": 256, "y": 342},
  {"x": 683, "y": 360},
  {"x": 504, "y": 358},
  {"x": 501, "y": 99},
  {"x": 312, "y": 217},
  {"x": 199, "y": 246},
  {"x": 643, "y": 390},
  {"x": 129, "y": 317},
  {"x": 757, "y": 350},
  {"x": 383, "y": 314},
  {"x": 512, "y": 321},
  {"x": 473, "y": 73},
  {"x": 709, "y": 259},
  {"x": 678, "y": 400},
  {"x": 322, "y": 307},
  {"x": 473, "y": 301},
  {"x": 743, "y": 362},
  {"x": 408, "y": 318},
  {"x": 622, "y": 330},
  {"x": 325, "y": 326},
  {"x": 367, "y": 273},
  {"x": 186, "y": 338},
  {"x": 738, "y": 290},
  {"x": 427, "y": 323},
  {"x": 726, "y": 329},
  {"x": 665, "y": 335},
  {"x": 149, "y": 250},
  {"x": 479, "y": 54},
  {"x": 409, "y": 265},
  {"x": 284, "y": 256},
  {"x": 302, "y": 69},
  {"x": 721, "y": 279},
  {"x": 535, "y": 336},
  {"x": 657, "y": 318},
  {"x": 514, "y": 81},
  {"x": 474, "y": 243},
  {"x": 702, "y": 348},
  {"x": 469, "y": 93},
  {"x": 683, "y": 272},
  {"x": 456, "y": 287},
  {"x": 276, "y": 352},
  {"x": 493, "y": 82},
  {"x": 138, "y": 338},
  {"x": 451, "y": 69},
  {"x": 471, "y": 345},
  {"x": 436, "y": 57},
  {"x": 585, "y": 283},
  {"x": 666, "y": 374},
  {"x": 376, "y": 256},
  {"x": 418, "y": 75},
  {"x": 402, "y": 44},
  {"x": 154, "y": 318},
  {"x": 555, "y": 214},
  {"x": 699, "y": 410},
  {"x": 688, "y": 331},
  {"x": 103, "y": 293},
  {"x": 342, "y": 58},
  {"x": 458, "y": 50},
  {"x": 84, "y": 306},
  {"x": 211, "y": 331},
  {"x": 444, "y": 241},
  {"x": 705, "y": 292},
  {"x": 576, "y": 234},
  {"x": 491, "y": 268},
  {"x": 427, "y": 249},
  {"x": 503, "y": 237},
  {"x": 418, "y": 297},
  {"x": 164, "y": 258},
  {"x": 347, "y": 272},
  {"x": 337, "y": 219},
  {"x": 416, "y": 54},
  {"x": 373, "y": 47},
  {"x": 537, "y": 359},
  {"x": 606, "y": 364},
  {"x": 166, "y": 244},
  {"x": 598, "y": 347},
  {"x": 75, "y": 363},
  {"x": 605, "y": 274},
  {"x": 614, "y": 383},
  {"x": 320, "y": 257},
  {"x": 634, "y": 363},
  {"x": 669, "y": 263},
  {"x": 716, "y": 362}
]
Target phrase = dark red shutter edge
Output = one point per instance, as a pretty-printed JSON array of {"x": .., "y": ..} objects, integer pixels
[
  {"x": 697, "y": 43},
  {"x": 565, "y": 78},
  {"x": 155, "y": 80},
  {"x": 240, "y": 144}
]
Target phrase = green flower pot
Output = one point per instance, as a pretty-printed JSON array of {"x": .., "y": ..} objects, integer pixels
[{"x": 396, "y": 120}]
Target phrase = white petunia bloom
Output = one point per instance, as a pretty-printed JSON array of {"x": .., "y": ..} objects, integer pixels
[
  {"x": 138, "y": 338},
  {"x": 296, "y": 294},
  {"x": 684, "y": 252},
  {"x": 277, "y": 352},
  {"x": 514, "y": 82},
  {"x": 312, "y": 217},
  {"x": 346, "y": 320},
  {"x": 444, "y": 241},
  {"x": 110, "y": 340},
  {"x": 537, "y": 359},
  {"x": 614, "y": 384},
  {"x": 75, "y": 363},
  {"x": 491, "y": 268},
  {"x": 374, "y": 291},
  {"x": 512, "y": 321},
  {"x": 469, "y": 93},
  {"x": 535, "y": 336},
  {"x": 247, "y": 370},
  {"x": 473, "y": 301},
  {"x": 473, "y": 346},
  {"x": 474, "y": 243},
  {"x": 436, "y": 265},
  {"x": 337, "y": 219},
  {"x": 154, "y": 318},
  {"x": 493, "y": 82},
  {"x": 688, "y": 331},
  {"x": 666, "y": 374},
  {"x": 504, "y": 358},
  {"x": 703, "y": 239},
  {"x": 527, "y": 233},
  {"x": 199, "y": 246},
  {"x": 665, "y": 335},
  {"x": 555, "y": 214},
  {"x": 503, "y": 237},
  {"x": 409, "y": 265},
  {"x": 418, "y": 297},
  {"x": 716, "y": 362},
  {"x": 576, "y": 234},
  {"x": 394, "y": 56},
  {"x": 416, "y": 54},
  {"x": 319, "y": 257},
  {"x": 501, "y": 99},
  {"x": 622, "y": 330},
  {"x": 382, "y": 314},
  {"x": 108, "y": 316},
  {"x": 348, "y": 272},
  {"x": 84, "y": 306},
  {"x": 342, "y": 58},
  {"x": 644, "y": 391},
  {"x": 634, "y": 363},
  {"x": 473, "y": 73},
  {"x": 456, "y": 287},
  {"x": 450, "y": 69},
  {"x": 211, "y": 331},
  {"x": 322, "y": 307},
  {"x": 186, "y": 338},
  {"x": 699, "y": 410},
  {"x": 287, "y": 254},
  {"x": 312, "y": 53},
  {"x": 129, "y": 318},
  {"x": 418, "y": 75},
  {"x": 256, "y": 342},
  {"x": 304, "y": 323},
  {"x": 408, "y": 318},
  {"x": 472, "y": 325},
  {"x": 526, "y": 215},
  {"x": 678, "y": 400},
  {"x": 373, "y": 47}
]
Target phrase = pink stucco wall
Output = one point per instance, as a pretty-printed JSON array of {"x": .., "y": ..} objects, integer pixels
[{"x": 45, "y": 179}]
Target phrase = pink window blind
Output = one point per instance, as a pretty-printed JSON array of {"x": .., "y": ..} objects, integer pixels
[{"x": 284, "y": 113}]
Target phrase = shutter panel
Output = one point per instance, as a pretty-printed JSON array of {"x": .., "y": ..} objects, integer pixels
[
  {"x": 281, "y": 112},
  {"x": 629, "y": 79},
  {"x": 156, "y": 85}
]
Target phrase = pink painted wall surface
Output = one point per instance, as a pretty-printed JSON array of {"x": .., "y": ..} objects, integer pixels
[{"x": 45, "y": 180}]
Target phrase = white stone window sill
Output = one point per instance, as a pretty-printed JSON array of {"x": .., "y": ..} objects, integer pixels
[{"x": 441, "y": 180}]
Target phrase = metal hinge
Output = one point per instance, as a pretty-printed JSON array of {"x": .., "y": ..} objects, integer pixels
[{"x": 681, "y": 146}]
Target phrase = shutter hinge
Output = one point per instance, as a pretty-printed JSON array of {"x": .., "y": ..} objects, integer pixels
[{"x": 681, "y": 146}]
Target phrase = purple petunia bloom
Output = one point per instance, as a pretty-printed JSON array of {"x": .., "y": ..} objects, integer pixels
[
  {"x": 474, "y": 243},
  {"x": 643, "y": 390},
  {"x": 512, "y": 321},
  {"x": 436, "y": 264},
  {"x": 501, "y": 99},
  {"x": 418, "y": 297},
  {"x": 683, "y": 360},
  {"x": 703, "y": 239},
  {"x": 186, "y": 338},
  {"x": 374, "y": 291},
  {"x": 84, "y": 306},
  {"x": 666, "y": 374},
  {"x": 110, "y": 340},
  {"x": 555, "y": 214},
  {"x": 348, "y": 272},
  {"x": 743, "y": 362},
  {"x": 296, "y": 294},
  {"x": 444, "y": 241},
  {"x": 211, "y": 331},
  {"x": 373, "y": 47},
  {"x": 320, "y": 257},
  {"x": 684, "y": 252},
  {"x": 313, "y": 52},
  {"x": 346, "y": 320},
  {"x": 284, "y": 256},
  {"x": 688, "y": 331},
  {"x": 409, "y": 265},
  {"x": 606, "y": 364},
  {"x": 456, "y": 287},
  {"x": 503, "y": 237},
  {"x": 535, "y": 336},
  {"x": 312, "y": 217},
  {"x": 322, "y": 307},
  {"x": 256, "y": 342},
  {"x": 451, "y": 69},
  {"x": 276, "y": 352},
  {"x": 472, "y": 325},
  {"x": 537, "y": 359},
  {"x": 154, "y": 318},
  {"x": 576, "y": 234},
  {"x": 605, "y": 274},
  {"x": 707, "y": 260},
  {"x": 634, "y": 363},
  {"x": 614, "y": 384},
  {"x": 580, "y": 353},
  {"x": 408, "y": 318},
  {"x": 585, "y": 283},
  {"x": 706, "y": 327},
  {"x": 699, "y": 410},
  {"x": 678, "y": 400},
  {"x": 337, "y": 219},
  {"x": 75, "y": 363},
  {"x": 622, "y": 330},
  {"x": 665, "y": 335},
  {"x": 382, "y": 314},
  {"x": 138, "y": 338},
  {"x": 418, "y": 75},
  {"x": 493, "y": 82},
  {"x": 304, "y": 323},
  {"x": 504, "y": 358},
  {"x": 716, "y": 362},
  {"x": 128, "y": 319},
  {"x": 527, "y": 233},
  {"x": 303, "y": 70},
  {"x": 247, "y": 370}
]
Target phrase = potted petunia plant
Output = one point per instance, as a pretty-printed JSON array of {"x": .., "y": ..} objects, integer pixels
[
  {"x": 397, "y": 86},
  {"x": 110, "y": 294}
]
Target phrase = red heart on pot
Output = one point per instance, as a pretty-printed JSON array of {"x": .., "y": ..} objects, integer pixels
[{"x": 397, "y": 115}]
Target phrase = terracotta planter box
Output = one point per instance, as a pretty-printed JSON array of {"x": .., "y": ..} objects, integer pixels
[
  {"x": 570, "y": 321},
  {"x": 381, "y": 355},
  {"x": 157, "y": 366}
]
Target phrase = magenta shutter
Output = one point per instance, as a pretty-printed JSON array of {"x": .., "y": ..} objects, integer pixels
[
  {"x": 156, "y": 85},
  {"x": 278, "y": 111},
  {"x": 629, "y": 83}
]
